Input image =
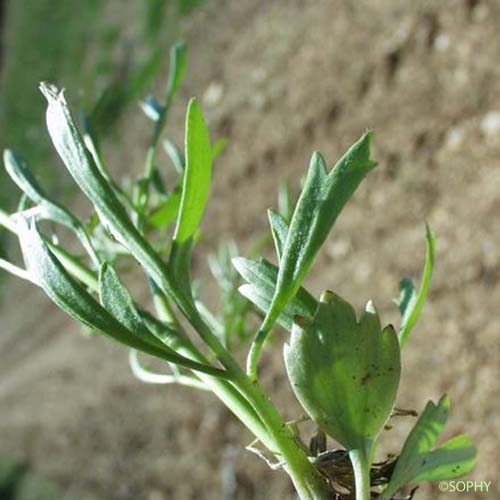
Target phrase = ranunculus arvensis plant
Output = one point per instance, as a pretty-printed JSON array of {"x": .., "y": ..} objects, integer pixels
[{"x": 343, "y": 366}]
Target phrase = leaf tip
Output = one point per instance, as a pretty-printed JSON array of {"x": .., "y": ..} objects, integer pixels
[{"x": 50, "y": 91}]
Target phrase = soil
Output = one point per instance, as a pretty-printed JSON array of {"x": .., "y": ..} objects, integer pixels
[{"x": 279, "y": 80}]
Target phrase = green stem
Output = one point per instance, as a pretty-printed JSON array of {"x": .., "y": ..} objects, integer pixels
[
  {"x": 361, "y": 467},
  {"x": 307, "y": 480},
  {"x": 277, "y": 437}
]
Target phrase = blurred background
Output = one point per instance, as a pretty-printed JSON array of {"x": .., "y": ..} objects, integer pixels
[{"x": 278, "y": 80}]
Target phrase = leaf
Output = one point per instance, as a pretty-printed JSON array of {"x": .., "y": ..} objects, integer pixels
[
  {"x": 345, "y": 372},
  {"x": 197, "y": 176},
  {"x": 321, "y": 201},
  {"x": 219, "y": 147},
  {"x": 419, "y": 462},
  {"x": 195, "y": 189},
  {"x": 69, "y": 145},
  {"x": 152, "y": 108},
  {"x": 415, "y": 303},
  {"x": 261, "y": 277},
  {"x": 47, "y": 208},
  {"x": 407, "y": 296},
  {"x": 164, "y": 214},
  {"x": 175, "y": 155},
  {"x": 72, "y": 297},
  {"x": 279, "y": 230},
  {"x": 177, "y": 69},
  {"x": 117, "y": 301},
  {"x": 285, "y": 202}
]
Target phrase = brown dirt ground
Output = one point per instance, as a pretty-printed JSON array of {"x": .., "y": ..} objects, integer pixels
[{"x": 297, "y": 76}]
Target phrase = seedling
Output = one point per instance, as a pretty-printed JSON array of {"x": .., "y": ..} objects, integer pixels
[{"x": 344, "y": 368}]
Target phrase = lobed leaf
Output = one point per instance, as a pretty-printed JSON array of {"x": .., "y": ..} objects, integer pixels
[
  {"x": 345, "y": 372},
  {"x": 321, "y": 201},
  {"x": 419, "y": 462}
]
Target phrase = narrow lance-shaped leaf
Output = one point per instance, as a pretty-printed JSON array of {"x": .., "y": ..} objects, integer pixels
[
  {"x": 195, "y": 190},
  {"x": 261, "y": 282},
  {"x": 47, "y": 208},
  {"x": 69, "y": 145},
  {"x": 178, "y": 63},
  {"x": 197, "y": 176},
  {"x": 411, "y": 303},
  {"x": 72, "y": 297},
  {"x": 418, "y": 460},
  {"x": 116, "y": 299}
]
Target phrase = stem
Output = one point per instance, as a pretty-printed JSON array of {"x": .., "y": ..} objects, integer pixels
[
  {"x": 258, "y": 344},
  {"x": 360, "y": 464},
  {"x": 307, "y": 480},
  {"x": 276, "y": 435}
]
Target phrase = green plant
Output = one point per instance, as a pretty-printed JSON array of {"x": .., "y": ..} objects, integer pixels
[{"x": 344, "y": 370}]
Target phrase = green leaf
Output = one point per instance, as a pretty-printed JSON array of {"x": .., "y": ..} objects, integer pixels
[
  {"x": 321, "y": 201},
  {"x": 414, "y": 303},
  {"x": 345, "y": 372},
  {"x": 47, "y": 208},
  {"x": 69, "y": 145},
  {"x": 261, "y": 277},
  {"x": 117, "y": 301},
  {"x": 196, "y": 184},
  {"x": 164, "y": 214},
  {"x": 285, "y": 202},
  {"x": 407, "y": 296},
  {"x": 195, "y": 190},
  {"x": 177, "y": 69},
  {"x": 419, "y": 462},
  {"x": 219, "y": 147},
  {"x": 65, "y": 291},
  {"x": 279, "y": 230},
  {"x": 175, "y": 155},
  {"x": 71, "y": 296}
]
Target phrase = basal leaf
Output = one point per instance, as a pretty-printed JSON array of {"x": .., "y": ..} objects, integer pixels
[
  {"x": 418, "y": 460},
  {"x": 261, "y": 277},
  {"x": 345, "y": 372}
]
